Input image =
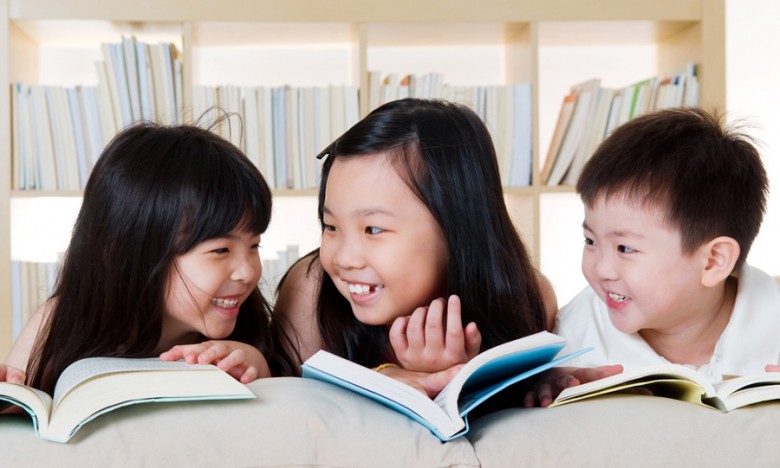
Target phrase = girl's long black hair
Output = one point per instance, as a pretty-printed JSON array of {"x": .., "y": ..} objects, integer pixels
[
  {"x": 155, "y": 193},
  {"x": 446, "y": 156}
]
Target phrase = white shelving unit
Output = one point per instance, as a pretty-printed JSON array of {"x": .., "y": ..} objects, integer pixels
[{"x": 550, "y": 44}]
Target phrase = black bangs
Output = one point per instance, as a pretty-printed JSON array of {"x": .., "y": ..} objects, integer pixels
[{"x": 225, "y": 192}]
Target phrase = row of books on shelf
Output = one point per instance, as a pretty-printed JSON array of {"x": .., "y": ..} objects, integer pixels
[
  {"x": 281, "y": 129},
  {"x": 58, "y": 132},
  {"x": 590, "y": 112},
  {"x": 505, "y": 110}
]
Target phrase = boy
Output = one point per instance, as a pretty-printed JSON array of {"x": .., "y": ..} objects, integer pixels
[{"x": 673, "y": 201}]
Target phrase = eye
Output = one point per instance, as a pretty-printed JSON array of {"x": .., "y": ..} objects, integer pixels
[
  {"x": 374, "y": 230},
  {"x": 328, "y": 227},
  {"x": 221, "y": 251},
  {"x": 256, "y": 246},
  {"x": 589, "y": 241},
  {"x": 625, "y": 249}
]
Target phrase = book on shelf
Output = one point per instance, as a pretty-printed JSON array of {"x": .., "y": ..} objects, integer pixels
[
  {"x": 589, "y": 92},
  {"x": 265, "y": 97},
  {"x": 91, "y": 387},
  {"x": 523, "y": 136},
  {"x": 680, "y": 383},
  {"x": 564, "y": 116},
  {"x": 446, "y": 416},
  {"x": 572, "y": 138},
  {"x": 43, "y": 152},
  {"x": 590, "y": 112}
]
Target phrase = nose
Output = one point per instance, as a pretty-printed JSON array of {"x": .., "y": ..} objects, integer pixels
[
  {"x": 347, "y": 254},
  {"x": 247, "y": 269},
  {"x": 605, "y": 267}
]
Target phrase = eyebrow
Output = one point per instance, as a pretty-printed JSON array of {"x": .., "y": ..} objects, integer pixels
[
  {"x": 364, "y": 212},
  {"x": 616, "y": 233}
]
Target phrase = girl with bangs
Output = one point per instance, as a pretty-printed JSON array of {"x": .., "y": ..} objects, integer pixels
[
  {"x": 420, "y": 266},
  {"x": 164, "y": 253}
]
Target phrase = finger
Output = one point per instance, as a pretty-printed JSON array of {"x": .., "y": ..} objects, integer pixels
[
  {"x": 566, "y": 381},
  {"x": 398, "y": 335},
  {"x": 545, "y": 395},
  {"x": 529, "y": 400},
  {"x": 473, "y": 340},
  {"x": 214, "y": 353},
  {"x": 236, "y": 358},
  {"x": 455, "y": 338},
  {"x": 434, "y": 326},
  {"x": 415, "y": 329},
  {"x": 236, "y": 372},
  {"x": 250, "y": 374},
  {"x": 16, "y": 376},
  {"x": 772, "y": 368},
  {"x": 436, "y": 381},
  {"x": 12, "y": 374},
  {"x": 585, "y": 375},
  {"x": 192, "y": 353},
  {"x": 173, "y": 354}
]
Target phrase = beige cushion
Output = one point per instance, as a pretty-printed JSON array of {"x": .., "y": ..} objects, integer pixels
[
  {"x": 292, "y": 422},
  {"x": 629, "y": 430},
  {"x": 296, "y": 422}
]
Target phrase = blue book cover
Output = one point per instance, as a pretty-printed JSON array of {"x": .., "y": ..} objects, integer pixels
[{"x": 447, "y": 415}]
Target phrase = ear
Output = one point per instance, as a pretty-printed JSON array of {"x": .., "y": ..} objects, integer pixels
[{"x": 721, "y": 254}]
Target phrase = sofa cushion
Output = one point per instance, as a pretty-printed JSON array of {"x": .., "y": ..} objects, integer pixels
[
  {"x": 628, "y": 430},
  {"x": 292, "y": 422}
]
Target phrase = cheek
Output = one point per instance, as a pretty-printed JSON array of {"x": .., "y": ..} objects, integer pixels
[
  {"x": 588, "y": 264},
  {"x": 326, "y": 255}
]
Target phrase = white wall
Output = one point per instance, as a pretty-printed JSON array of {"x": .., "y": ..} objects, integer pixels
[{"x": 753, "y": 94}]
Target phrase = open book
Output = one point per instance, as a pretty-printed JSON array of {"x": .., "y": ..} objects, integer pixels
[
  {"x": 681, "y": 383},
  {"x": 479, "y": 379},
  {"x": 93, "y": 386}
]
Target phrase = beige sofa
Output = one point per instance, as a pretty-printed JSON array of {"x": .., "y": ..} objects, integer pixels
[{"x": 297, "y": 422}]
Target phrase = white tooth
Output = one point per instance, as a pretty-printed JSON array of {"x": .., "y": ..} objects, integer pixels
[
  {"x": 359, "y": 288},
  {"x": 224, "y": 302},
  {"x": 617, "y": 297}
]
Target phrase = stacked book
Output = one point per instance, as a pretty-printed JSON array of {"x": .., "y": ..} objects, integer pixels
[
  {"x": 590, "y": 112},
  {"x": 281, "y": 129},
  {"x": 505, "y": 110},
  {"x": 58, "y": 132}
]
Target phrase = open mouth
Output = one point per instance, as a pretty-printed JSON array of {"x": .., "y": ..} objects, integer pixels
[{"x": 364, "y": 289}]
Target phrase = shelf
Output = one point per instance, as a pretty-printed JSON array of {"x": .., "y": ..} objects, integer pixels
[{"x": 302, "y": 43}]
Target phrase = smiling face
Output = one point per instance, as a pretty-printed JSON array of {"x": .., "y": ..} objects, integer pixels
[
  {"x": 206, "y": 287},
  {"x": 381, "y": 246},
  {"x": 635, "y": 263}
]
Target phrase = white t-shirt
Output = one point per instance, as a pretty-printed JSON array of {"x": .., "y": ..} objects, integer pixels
[{"x": 750, "y": 341}]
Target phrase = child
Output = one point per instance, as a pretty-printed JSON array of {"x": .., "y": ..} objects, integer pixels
[
  {"x": 412, "y": 212},
  {"x": 673, "y": 202},
  {"x": 164, "y": 252}
]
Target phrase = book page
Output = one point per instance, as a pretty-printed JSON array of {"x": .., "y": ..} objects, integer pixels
[
  {"x": 747, "y": 390},
  {"x": 89, "y": 368},
  {"x": 639, "y": 377},
  {"x": 493, "y": 364},
  {"x": 97, "y": 396},
  {"x": 35, "y": 402},
  {"x": 336, "y": 370}
]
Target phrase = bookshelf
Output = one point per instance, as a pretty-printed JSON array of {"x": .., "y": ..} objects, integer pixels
[{"x": 550, "y": 45}]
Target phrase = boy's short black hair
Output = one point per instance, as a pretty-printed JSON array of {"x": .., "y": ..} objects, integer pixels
[{"x": 707, "y": 177}]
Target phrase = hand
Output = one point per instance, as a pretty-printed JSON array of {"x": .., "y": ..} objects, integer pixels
[
  {"x": 772, "y": 368},
  {"x": 243, "y": 362},
  {"x": 429, "y": 383},
  {"x": 556, "y": 379},
  {"x": 421, "y": 343},
  {"x": 12, "y": 374}
]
